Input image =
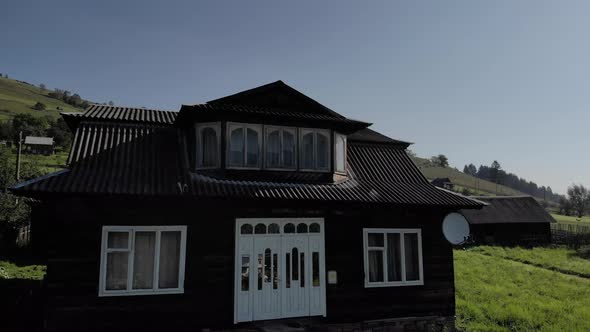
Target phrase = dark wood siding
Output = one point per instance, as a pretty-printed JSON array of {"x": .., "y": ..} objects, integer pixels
[
  {"x": 512, "y": 233},
  {"x": 71, "y": 233}
]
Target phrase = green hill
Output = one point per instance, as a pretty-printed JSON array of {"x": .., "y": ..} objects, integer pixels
[
  {"x": 19, "y": 97},
  {"x": 461, "y": 180}
]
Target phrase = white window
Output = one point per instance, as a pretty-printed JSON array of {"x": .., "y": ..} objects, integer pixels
[
  {"x": 142, "y": 260},
  {"x": 208, "y": 146},
  {"x": 340, "y": 153},
  {"x": 393, "y": 257},
  {"x": 280, "y": 147},
  {"x": 314, "y": 149},
  {"x": 243, "y": 145}
]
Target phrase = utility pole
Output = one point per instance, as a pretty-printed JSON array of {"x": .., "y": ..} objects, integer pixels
[{"x": 18, "y": 153}]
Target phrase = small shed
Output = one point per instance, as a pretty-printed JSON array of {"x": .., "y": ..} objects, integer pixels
[
  {"x": 444, "y": 183},
  {"x": 39, "y": 145},
  {"x": 510, "y": 220}
]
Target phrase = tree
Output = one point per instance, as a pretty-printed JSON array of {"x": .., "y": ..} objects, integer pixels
[
  {"x": 29, "y": 125},
  {"x": 470, "y": 169},
  {"x": 495, "y": 171},
  {"x": 565, "y": 206},
  {"x": 441, "y": 160},
  {"x": 579, "y": 197},
  {"x": 111, "y": 103},
  {"x": 42, "y": 86},
  {"x": 39, "y": 106},
  {"x": 60, "y": 132}
]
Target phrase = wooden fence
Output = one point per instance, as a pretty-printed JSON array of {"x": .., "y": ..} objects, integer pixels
[{"x": 571, "y": 235}]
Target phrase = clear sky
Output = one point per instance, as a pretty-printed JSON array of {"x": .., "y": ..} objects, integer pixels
[{"x": 475, "y": 80}]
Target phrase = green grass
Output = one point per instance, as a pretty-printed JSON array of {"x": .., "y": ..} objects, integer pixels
[
  {"x": 17, "y": 97},
  {"x": 585, "y": 220},
  {"x": 496, "y": 294},
  {"x": 557, "y": 258},
  {"x": 14, "y": 269}
]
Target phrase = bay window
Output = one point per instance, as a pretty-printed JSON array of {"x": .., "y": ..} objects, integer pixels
[
  {"x": 314, "y": 149},
  {"x": 280, "y": 147},
  {"x": 393, "y": 257},
  {"x": 244, "y": 145},
  {"x": 142, "y": 260},
  {"x": 208, "y": 147}
]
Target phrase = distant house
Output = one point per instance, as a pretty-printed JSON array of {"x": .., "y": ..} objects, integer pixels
[
  {"x": 444, "y": 183},
  {"x": 39, "y": 145},
  {"x": 510, "y": 220}
]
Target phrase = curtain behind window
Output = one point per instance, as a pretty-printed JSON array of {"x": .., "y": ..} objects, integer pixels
[
  {"x": 143, "y": 260},
  {"x": 273, "y": 149},
  {"x": 307, "y": 151},
  {"x": 236, "y": 149},
  {"x": 169, "y": 259},
  {"x": 209, "y": 147},
  {"x": 375, "y": 265},
  {"x": 411, "y": 255}
]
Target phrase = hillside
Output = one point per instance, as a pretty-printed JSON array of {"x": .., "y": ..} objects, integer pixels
[
  {"x": 461, "y": 180},
  {"x": 17, "y": 97}
]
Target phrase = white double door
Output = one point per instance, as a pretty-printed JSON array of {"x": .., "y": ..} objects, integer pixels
[{"x": 280, "y": 268}]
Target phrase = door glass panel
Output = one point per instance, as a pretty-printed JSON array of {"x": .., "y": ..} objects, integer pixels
[
  {"x": 295, "y": 255},
  {"x": 267, "y": 266},
  {"x": 307, "y": 151},
  {"x": 315, "y": 268},
  {"x": 274, "y": 228},
  {"x": 288, "y": 272},
  {"x": 273, "y": 149},
  {"x": 302, "y": 264},
  {"x": 275, "y": 274},
  {"x": 411, "y": 255},
  {"x": 260, "y": 263},
  {"x": 289, "y": 228},
  {"x": 246, "y": 229},
  {"x": 288, "y": 149},
  {"x": 394, "y": 259},
  {"x": 375, "y": 239},
  {"x": 143, "y": 260},
  {"x": 314, "y": 228},
  {"x": 169, "y": 259},
  {"x": 302, "y": 228},
  {"x": 236, "y": 149},
  {"x": 252, "y": 147},
  {"x": 375, "y": 265},
  {"x": 117, "y": 270},
  {"x": 245, "y": 272},
  {"x": 260, "y": 229},
  {"x": 323, "y": 151}
]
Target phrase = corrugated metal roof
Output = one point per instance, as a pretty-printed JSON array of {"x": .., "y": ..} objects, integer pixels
[
  {"x": 369, "y": 135},
  {"x": 508, "y": 209},
  {"x": 141, "y": 159},
  {"x": 34, "y": 140},
  {"x": 127, "y": 114}
]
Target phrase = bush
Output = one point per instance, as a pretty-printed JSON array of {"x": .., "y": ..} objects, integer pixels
[{"x": 39, "y": 106}]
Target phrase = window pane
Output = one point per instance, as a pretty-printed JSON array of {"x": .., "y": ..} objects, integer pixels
[
  {"x": 246, "y": 229},
  {"x": 302, "y": 228},
  {"x": 208, "y": 147},
  {"x": 273, "y": 149},
  {"x": 288, "y": 149},
  {"x": 375, "y": 265},
  {"x": 323, "y": 152},
  {"x": 236, "y": 149},
  {"x": 267, "y": 266},
  {"x": 288, "y": 270},
  {"x": 411, "y": 254},
  {"x": 169, "y": 259},
  {"x": 302, "y": 264},
  {"x": 275, "y": 272},
  {"x": 274, "y": 228},
  {"x": 245, "y": 272},
  {"x": 375, "y": 239},
  {"x": 295, "y": 255},
  {"x": 394, "y": 258},
  {"x": 289, "y": 228},
  {"x": 117, "y": 270},
  {"x": 315, "y": 268},
  {"x": 260, "y": 229},
  {"x": 314, "y": 228},
  {"x": 143, "y": 260},
  {"x": 307, "y": 151},
  {"x": 260, "y": 264},
  {"x": 340, "y": 152},
  {"x": 252, "y": 147},
  {"x": 118, "y": 240}
]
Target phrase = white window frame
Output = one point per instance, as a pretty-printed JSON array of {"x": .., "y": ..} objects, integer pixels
[
  {"x": 131, "y": 230},
  {"x": 217, "y": 127},
  {"x": 336, "y": 136},
  {"x": 385, "y": 231},
  {"x": 315, "y": 131},
  {"x": 245, "y": 126},
  {"x": 281, "y": 129}
]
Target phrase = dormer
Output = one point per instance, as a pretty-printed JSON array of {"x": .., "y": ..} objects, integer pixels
[{"x": 273, "y": 130}]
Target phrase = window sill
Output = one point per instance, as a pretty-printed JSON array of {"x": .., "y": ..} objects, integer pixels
[
  {"x": 394, "y": 284},
  {"x": 141, "y": 292}
]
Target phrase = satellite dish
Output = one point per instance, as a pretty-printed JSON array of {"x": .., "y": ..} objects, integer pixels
[{"x": 455, "y": 228}]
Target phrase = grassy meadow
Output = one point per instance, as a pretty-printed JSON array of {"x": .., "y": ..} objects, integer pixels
[
  {"x": 18, "y": 97},
  {"x": 585, "y": 220},
  {"x": 495, "y": 292}
]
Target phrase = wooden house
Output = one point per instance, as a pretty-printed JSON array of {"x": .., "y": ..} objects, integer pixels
[
  {"x": 39, "y": 145},
  {"x": 510, "y": 220},
  {"x": 261, "y": 205}
]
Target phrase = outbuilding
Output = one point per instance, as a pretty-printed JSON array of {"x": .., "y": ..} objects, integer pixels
[
  {"x": 510, "y": 220},
  {"x": 39, "y": 145},
  {"x": 263, "y": 205}
]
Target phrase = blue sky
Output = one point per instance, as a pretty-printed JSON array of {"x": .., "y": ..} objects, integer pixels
[{"x": 475, "y": 80}]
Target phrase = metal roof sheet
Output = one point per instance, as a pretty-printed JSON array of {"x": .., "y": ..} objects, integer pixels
[
  {"x": 508, "y": 209},
  {"x": 34, "y": 140}
]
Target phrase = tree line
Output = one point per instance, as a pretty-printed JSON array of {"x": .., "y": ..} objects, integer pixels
[
  {"x": 495, "y": 173},
  {"x": 577, "y": 201},
  {"x": 36, "y": 126}
]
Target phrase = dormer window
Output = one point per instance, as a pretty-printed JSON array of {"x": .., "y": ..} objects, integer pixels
[
  {"x": 339, "y": 153},
  {"x": 314, "y": 150},
  {"x": 208, "y": 145},
  {"x": 244, "y": 142},
  {"x": 280, "y": 147}
]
